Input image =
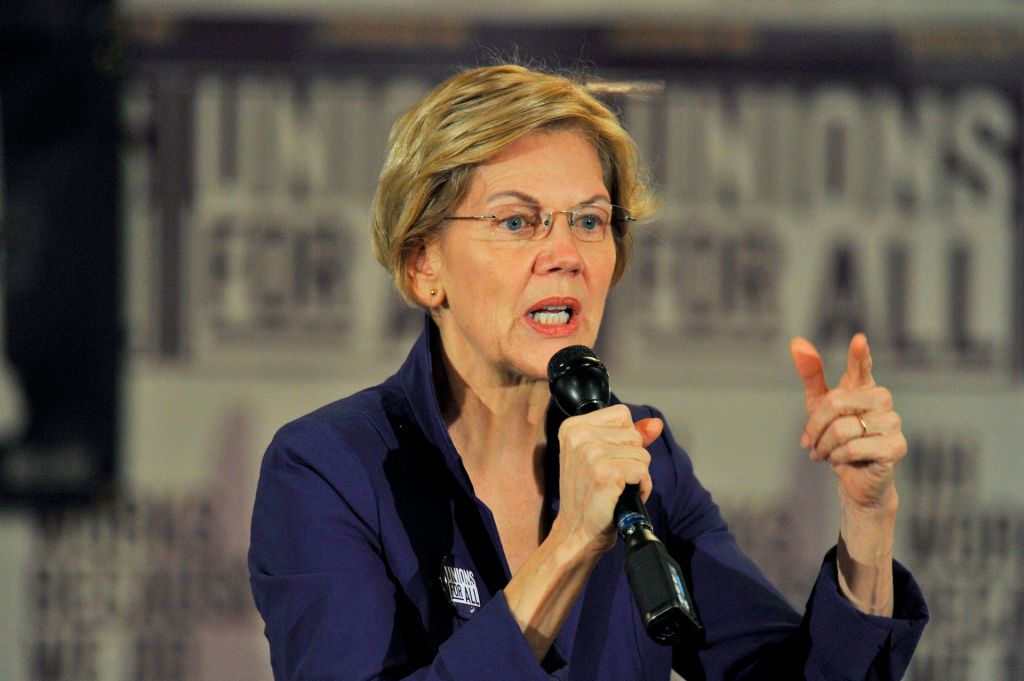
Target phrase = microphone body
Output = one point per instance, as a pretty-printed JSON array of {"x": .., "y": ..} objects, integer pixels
[{"x": 579, "y": 384}]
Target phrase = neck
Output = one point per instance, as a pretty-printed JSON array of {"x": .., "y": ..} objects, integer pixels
[{"x": 495, "y": 422}]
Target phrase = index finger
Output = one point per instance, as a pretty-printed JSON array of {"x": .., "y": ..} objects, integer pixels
[{"x": 858, "y": 364}]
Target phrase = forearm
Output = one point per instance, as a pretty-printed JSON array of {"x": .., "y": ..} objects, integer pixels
[
  {"x": 542, "y": 592},
  {"x": 864, "y": 554}
]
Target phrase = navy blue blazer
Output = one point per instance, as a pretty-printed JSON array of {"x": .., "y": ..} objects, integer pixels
[{"x": 372, "y": 558}]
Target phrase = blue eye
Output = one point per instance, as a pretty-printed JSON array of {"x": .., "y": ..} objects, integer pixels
[
  {"x": 514, "y": 223},
  {"x": 589, "y": 222}
]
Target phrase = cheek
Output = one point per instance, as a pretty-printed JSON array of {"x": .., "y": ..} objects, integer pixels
[
  {"x": 602, "y": 265},
  {"x": 489, "y": 275},
  {"x": 480, "y": 281}
]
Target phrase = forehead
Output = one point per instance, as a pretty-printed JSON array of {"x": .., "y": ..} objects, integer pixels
[{"x": 551, "y": 165}]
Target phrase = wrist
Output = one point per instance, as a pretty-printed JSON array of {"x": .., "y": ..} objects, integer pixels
[
  {"x": 884, "y": 506},
  {"x": 571, "y": 547},
  {"x": 868, "y": 590},
  {"x": 864, "y": 553},
  {"x": 869, "y": 532},
  {"x": 542, "y": 592}
]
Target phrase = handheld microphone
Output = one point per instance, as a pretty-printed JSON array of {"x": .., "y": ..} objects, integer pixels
[{"x": 579, "y": 384}]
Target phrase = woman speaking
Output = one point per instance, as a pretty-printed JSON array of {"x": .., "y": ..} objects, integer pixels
[{"x": 453, "y": 523}]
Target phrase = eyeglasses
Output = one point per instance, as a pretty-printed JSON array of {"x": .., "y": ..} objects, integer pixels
[{"x": 588, "y": 221}]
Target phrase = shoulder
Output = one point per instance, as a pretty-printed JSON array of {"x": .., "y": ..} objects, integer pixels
[
  {"x": 357, "y": 425},
  {"x": 317, "y": 490},
  {"x": 339, "y": 447}
]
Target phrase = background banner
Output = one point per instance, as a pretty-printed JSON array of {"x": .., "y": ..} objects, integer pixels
[{"x": 814, "y": 181}]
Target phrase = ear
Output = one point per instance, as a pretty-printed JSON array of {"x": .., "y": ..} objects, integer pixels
[{"x": 424, "y": 272}]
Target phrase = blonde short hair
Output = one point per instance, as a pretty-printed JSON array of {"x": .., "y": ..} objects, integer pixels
[{"x": 467, "y": 120}]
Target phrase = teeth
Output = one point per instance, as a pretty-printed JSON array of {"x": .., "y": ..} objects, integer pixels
[{"x": 552, "y": 318}]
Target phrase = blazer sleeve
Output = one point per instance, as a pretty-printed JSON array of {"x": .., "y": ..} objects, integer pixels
[
  {"x": 320, "y": 577},
  {"x": 750, "y": 631}
]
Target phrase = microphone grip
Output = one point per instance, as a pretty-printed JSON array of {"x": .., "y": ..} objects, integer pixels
[
  {"x": 661, "y": 597},
  {"x": 654, "y": 576},
  {"x": 630, "y": 503}
]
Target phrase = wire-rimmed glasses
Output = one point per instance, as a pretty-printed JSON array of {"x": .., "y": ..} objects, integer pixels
[{"x": 521, "y": 222}]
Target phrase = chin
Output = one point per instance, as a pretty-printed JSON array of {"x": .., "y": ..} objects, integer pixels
[{"x": 538, "y": 351}]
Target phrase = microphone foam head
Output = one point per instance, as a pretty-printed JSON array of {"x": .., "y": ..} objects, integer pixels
[
  {"x": 578, "y": 380},
  {"x": 565, "y": 358}
]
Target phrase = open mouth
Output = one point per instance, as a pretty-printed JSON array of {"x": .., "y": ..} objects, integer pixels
[
  {"x": 552, "y": 315},
  {"x": 555, "y": 316}
]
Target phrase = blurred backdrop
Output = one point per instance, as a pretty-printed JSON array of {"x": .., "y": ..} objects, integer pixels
[{"x": 185, "y": 263}]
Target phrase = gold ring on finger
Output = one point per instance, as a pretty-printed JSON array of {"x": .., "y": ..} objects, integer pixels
[{"x": 863, "y": 427}]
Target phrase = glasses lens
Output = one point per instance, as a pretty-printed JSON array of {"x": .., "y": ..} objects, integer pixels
[
  {"x": 591, "y": 222},
  {"x": 514, "y": 223}
]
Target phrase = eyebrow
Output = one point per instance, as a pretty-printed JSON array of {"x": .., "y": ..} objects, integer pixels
[{"x": 526, "y": 198}]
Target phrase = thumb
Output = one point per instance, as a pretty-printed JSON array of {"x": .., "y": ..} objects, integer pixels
[
  {"x": 808, "y": 367},
  {"x": 649, "y": 429}
]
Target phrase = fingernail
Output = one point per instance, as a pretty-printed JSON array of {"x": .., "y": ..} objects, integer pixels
[{"x": 805, "y": 441}]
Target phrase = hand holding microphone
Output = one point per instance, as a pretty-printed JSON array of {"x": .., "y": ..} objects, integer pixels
[{"x": 612, "y": 452}]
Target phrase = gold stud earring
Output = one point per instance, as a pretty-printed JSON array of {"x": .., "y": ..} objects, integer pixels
[{"x": 433, "y": 292}]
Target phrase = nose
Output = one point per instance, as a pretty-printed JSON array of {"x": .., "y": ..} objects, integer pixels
[{"x": 559, "y": 249}]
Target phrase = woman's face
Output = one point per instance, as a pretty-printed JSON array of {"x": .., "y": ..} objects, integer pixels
[{"x": 494, "y": 291}]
